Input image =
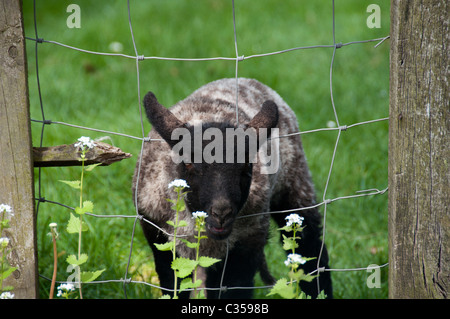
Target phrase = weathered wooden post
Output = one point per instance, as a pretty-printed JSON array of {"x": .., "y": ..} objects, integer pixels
[
  {"x": 16, "y": 167},
  {"x": 419, "y": 156}
]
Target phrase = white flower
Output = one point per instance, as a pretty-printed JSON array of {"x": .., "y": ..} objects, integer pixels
[
  {"x": 294, "y": 219},
  {"x": 199, "y": 214},
  {"x": 63, "y": 289},
  {"x": 294, "y": 259},
  {"x": 178, "y": 183},
  {"x": 4, "y": 241},
  {"x": 54, "y": 232},
  {"x": 66, "y": 287},
  {"x": 6, "y": 295},
  {"x": 84, "y": 142},
  {"x": 7, "y": 209}
]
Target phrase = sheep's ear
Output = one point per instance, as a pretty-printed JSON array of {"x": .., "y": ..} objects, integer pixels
[
  {"x": 267, "y": 117},
  {"x": 162, "y": 120}
]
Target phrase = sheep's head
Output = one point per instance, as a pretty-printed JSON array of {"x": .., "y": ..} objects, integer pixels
[{"x": 216, "y": 164}]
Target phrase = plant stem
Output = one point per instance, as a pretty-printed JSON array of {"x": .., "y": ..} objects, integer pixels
[
  {"x": 55, "y": 266},
  {"x": 294, "y": 229},
  {"x": 196, "y": 259},
  {"x": 83, "y": 155},
  {"x": 174, "y": 246}
]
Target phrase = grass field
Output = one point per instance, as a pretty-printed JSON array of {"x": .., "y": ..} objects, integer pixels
[{"x": 101, "y": 92}]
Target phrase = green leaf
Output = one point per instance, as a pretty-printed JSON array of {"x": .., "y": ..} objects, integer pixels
[
  {"x": 289, "y": 243},
  {"x": 73, "y": 260},
  {"x": 5, "y": 223},
  {"x": 91, "y": 167},
  {"x": 182, "y": 223},
  {"x": 283, "y": 288},
  {"x": 7, "y": 272},
  {"x": 88, "y": 276},
  {"x": 207, "y": 261},
  {"x": 73, "y": 184},
  {"x": 8, "y": 288},
  {"x": 183, "y": 267},
  {"x": 189, "y": 244},
  {"x": 300, "y": 275},
  {"x": 164, "y": 297},
  {"x": 73, "y": 227},
  {"x": 165, "y": 247},
  {"x": 288, "y": 229},
  {"x": 88, "y": 207},
  {"x": 180, "y": 205},
  {"x": 187, "y": 283},
  {"x": 200, "y": 238}
]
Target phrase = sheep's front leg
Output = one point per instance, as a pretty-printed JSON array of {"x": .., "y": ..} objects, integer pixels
[{"x": 240, "y": 269}]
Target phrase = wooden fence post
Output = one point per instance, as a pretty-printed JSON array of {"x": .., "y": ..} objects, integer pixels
[
  {"x": 419, "y": 198},
  {"x": 16, "y": 168}
]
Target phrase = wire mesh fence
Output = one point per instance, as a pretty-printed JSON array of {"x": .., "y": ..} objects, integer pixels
[{"x": 139, "y": 58}]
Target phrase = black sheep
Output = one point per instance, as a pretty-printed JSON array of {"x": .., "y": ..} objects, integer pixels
[{"x": 228, "y": 190}]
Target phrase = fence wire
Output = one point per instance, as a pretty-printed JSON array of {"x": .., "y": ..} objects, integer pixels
[{"x": 144, "y": 139}]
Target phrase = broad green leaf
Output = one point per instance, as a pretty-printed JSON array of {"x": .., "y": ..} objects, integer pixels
[
  {"x": 73, "y": 227},
  {"x": 180, "y": 205},
  {"x": 73, "y": 260},
  {"x": 88, "y": 207},
  {"x": 187, "y": 283},
  {"x": 182, "y": 223},
  {"x": 171, "y": 223},
  {"x": 200, "y": 294},
  {"x": 88, "y": 276},
  {"x": 207, "y": 261},
  {"x": 189, "y": 244},
  {"x": 289, "y": 229},
  {"x": 7, "y": 272},
  {"x": 183, "y": 267},
  {"x": 300, "y": 275},
  {"x": 73, "y": 184},
  {"x": 165, "y": 247},
  {"x": 8, "y": 288},
  {"x": 289, "y": 243},
  {"x": 283, "y": 288}
]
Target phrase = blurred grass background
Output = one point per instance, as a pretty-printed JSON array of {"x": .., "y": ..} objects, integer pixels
[{"x": 101, "y": 92}]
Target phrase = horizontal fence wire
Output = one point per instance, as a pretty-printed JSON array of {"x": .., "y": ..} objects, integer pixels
[{"x": 144, "y": 138}]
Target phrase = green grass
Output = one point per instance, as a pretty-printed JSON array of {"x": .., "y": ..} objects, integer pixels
[{"x": 101, "y": 92}]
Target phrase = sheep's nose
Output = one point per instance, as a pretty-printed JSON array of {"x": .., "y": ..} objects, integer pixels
[{"x": 221, "y": 211}]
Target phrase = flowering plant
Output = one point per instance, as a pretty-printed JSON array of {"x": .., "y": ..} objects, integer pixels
[
  {"x": 289, "y": 288},
  {"x": 76, "y": 225},
  {"x": 5, "y": 270},
  {"x": 183, "y": 267},
  {"x": 65, "y": 290}
]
